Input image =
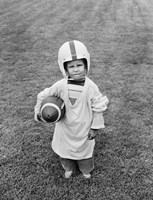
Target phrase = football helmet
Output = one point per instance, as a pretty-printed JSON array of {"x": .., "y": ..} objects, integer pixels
[{"x": 72, "y": 50}]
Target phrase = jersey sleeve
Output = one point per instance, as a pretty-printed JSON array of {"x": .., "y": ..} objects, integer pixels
[
  {"x": 51, "y": 91},
  {"x": 99, "y": 105}
]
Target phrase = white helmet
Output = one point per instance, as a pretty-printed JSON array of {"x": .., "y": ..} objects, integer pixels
[{"x": 72, "y": 50}]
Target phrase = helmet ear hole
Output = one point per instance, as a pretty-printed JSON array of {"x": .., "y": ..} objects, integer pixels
[
  {"x": 65, "y": 66},
  {"x": 85, "y": 63}
]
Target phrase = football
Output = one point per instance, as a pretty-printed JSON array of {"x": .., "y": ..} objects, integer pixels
[{"x": 52, "y": 109}]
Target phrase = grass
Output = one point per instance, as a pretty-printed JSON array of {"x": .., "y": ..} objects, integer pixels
[{"x": 118, "y": 35}]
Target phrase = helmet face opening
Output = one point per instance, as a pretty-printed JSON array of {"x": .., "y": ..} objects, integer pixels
[
  {"x": 83, "y": 59},
  {"x": 70, "y": 51}
]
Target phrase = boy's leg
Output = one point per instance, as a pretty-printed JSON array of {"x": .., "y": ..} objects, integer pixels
[
  {"x": 68, "y": 165},
  {"x": 86, "y": 165}
]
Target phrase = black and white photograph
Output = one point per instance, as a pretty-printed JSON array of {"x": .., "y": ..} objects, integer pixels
[{"x": 76, "y": 100}]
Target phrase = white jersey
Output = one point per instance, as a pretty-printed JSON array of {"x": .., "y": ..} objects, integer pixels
[{"x": 70, "y": 139}]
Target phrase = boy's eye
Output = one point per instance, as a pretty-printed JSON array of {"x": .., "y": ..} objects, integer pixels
[{"x": 71, "y": 66}]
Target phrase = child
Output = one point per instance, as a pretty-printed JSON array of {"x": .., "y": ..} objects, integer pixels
[{"x": 74, "y": 135}]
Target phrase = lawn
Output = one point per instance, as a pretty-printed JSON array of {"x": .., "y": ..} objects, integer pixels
[{"x": 119, "y": 37}]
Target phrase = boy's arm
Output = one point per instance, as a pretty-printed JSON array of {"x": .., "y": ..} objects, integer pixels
[
  {"x": 98, "y": 105},
  {"x": 92, "y": 134},
  {"x": 98, "y": 120},
  {"x": 40, "y": 97},
  {"x": 51, "y": 91}
]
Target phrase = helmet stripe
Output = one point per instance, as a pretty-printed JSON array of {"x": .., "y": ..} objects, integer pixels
[{"x": 73, "y": 50}]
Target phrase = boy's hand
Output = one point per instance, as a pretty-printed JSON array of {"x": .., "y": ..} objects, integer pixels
[
  {"x": 92, "y": 134},
  {"x": 37, "y": 117}
]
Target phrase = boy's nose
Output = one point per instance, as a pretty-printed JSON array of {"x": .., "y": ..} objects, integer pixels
[{"x": 75, "y": 69}]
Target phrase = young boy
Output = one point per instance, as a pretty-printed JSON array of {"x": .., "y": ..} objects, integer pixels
[{"x": 74, "y": 135}]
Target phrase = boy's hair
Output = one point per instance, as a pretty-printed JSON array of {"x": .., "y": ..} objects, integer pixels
[{"x": 83, "y": 59}]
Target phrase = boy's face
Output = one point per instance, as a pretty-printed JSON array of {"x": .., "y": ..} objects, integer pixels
[{"x": 76, "y": 69}]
